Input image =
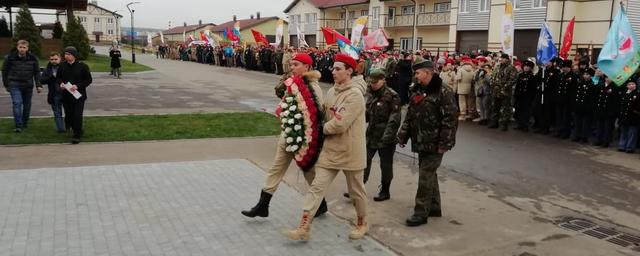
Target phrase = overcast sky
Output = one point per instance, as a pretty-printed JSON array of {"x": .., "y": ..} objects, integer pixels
[{"x": 158, "y": 13}]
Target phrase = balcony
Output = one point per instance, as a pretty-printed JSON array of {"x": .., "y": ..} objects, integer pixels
[
  {"x": 424, "y": 19},
  {"x": 338, "y": 24},
  {"x": 307, "y": 28}
]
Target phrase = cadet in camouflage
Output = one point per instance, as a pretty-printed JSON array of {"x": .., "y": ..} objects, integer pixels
[{"x": 502, "y": 83}]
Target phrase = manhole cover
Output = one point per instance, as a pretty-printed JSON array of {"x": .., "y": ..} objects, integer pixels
[{"x": 608, "y": 234}]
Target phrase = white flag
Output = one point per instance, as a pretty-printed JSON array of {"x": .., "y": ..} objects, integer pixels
[
  {"x": 161, "y": 37},
  {"x": 356, "y": 32},
  {"x": 507, "y": 28},
  {"x": 301, "y": 41},
  {"x": 149, "y": 41},
  {"x": 279, "y": 33}
]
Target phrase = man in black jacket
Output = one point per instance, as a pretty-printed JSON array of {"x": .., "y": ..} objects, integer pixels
[
  {"x": 19, "y": 73},
  {"x": 78, "y": 75},
  {"x": 54, "y": 95}
]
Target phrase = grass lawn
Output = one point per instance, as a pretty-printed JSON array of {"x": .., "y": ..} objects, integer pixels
[
  {"x": 102, "y": 63},
  {"x": 151, "y": 127}
]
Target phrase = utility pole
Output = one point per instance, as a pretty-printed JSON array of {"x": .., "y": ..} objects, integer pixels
[{"x": 133, "y": 51}]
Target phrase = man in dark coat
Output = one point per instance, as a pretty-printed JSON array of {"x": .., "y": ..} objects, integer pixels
[
  {"x": 78, "y": 75},
  {"x": 115, "y": 55},
  {"x": 565, "y": 92},
  {"x": 544, "y": 110},
  {"x": 583, "y": 106},
  {"x": 607, "y": 108},
  {"x": 524, "y": 95},
  {"x": 54, "y": 95}
]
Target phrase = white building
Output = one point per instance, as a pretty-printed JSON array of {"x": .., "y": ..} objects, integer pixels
[{"x": 102, "y": 25}]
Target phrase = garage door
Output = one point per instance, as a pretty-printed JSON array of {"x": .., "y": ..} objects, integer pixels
[
  {"x": 469, "y": 41},
  {"x": 525, "y": 43}
]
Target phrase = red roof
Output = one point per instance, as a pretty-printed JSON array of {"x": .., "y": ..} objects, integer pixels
[
  {"x": 323, "y": 4},
  {"x": 181, "y": 29},
  {"x": 244, "y": 24}
]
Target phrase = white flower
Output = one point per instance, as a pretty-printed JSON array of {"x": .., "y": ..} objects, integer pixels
[
  {"x": 288, "y": 149},
  {"x": 299, "y": 139},
  {"x": 294, "y": 148},
  {"x": 284, "y": 105},
  {"x": 298, "y": 116},
  {"x": 291, "y": 121},
  {"x": 286, "y": 113},
  {"x": 289, "y": 99},
  {"x": 287, "y": 130},
  {"x": 284, "y": 120},
  {"x": 289, "y": 140},
  {"x": 297, "y": 127},
  {"x": 293, "y": 108}
]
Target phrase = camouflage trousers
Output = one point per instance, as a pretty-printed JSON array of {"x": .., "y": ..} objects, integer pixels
[
  {"x": 501, "y": 110},
  {"x": 428, "y": 195}
]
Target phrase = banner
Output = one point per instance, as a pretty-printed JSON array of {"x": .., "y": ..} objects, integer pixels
[
  {"x": 546, "y": 48},
  {"x": 203, "y": 37},
  {"x": 349, "y": 49},
  {"x": 568, "y": 40},
  {"x": 236, "y": 31},
  {"x": 376, "y": 40},
  {"x": 331, "y": 35},
  {"x": 620, "y": 55},
  {"x": 149, "y": 41},
  {"x": 507, "y": 28},
  {"x": 356, "y": 32},
  {"x": 259, "y": 37},
  {"x": 279, "y": 32},
  {"x": 301, "y": 41},
  {"x": 161, "y": 38}
]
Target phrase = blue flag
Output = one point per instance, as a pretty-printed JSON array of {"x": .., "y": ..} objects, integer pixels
[
  {"x": 348, "y": 49},
  {"x": 620, "y": 56},
  {"x": 546, "y": 49}
]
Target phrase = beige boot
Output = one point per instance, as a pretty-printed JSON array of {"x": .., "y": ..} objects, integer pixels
[
  {"x": 362, "y": 227},
  {"x": 302, "y": 232}
]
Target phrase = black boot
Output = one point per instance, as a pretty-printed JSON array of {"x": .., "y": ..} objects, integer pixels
[
  {"x": 262, "y": 208},
  {"x": 322, "y": 209},
  {"x": 384, "y": 194},
  {"x": 415, "y": 221}
]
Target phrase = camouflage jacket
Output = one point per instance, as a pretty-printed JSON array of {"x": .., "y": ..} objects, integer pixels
[
  {"x": 383, "y": 114},
  {"x": 432, "y": 118},
  {"x": 503, "y": 80}
]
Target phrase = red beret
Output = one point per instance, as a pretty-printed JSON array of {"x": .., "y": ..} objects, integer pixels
[
  {"x": 466, "y": 60},
  {"x": 482, "y": 59},
  {"x": 304, "y": 58},
  {"x": 347, "y": 60},
  {"x": 518, "y": 63}
]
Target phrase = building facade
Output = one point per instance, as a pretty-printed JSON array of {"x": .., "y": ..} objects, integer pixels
[
  {"x": 178, "y": 34},
  {"x": 102, "y": 25}
]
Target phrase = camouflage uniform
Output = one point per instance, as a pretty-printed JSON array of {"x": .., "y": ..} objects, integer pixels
[
  {"x": 431, "y": 123},
  {"x": 383, "y": 116},
  {"x": 502, "y": 83}
]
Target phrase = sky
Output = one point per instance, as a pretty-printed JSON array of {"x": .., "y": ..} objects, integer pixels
[{"x": 158, "y": 13}]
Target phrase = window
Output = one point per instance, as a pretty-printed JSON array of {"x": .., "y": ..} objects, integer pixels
[
  {"x": 539, "y": 3},
  {"x": 110, "y": 20},
  {"x": 364, "y": 13},
  {"x": 485, "y": 5},
  {"x": 464, "y": 6},
  {"x": 307, "y": 18},
  {"x": 422, "y": 9},
  {"x": 352, "y": 15},
  {"x": 442, "y": 7},
  {"x": 96, "y": 20},
  {"x": 110, "y": 32},
  {"x": 342, "y": 15},
  {"x": 517, "y": 4},
  {"x": 82, "y": 18},
  {"x": 408, "y": 10},
  {"x": 406, "y": 43},
  {"x": 376, "y": 13},
  {"x": 299, "y": 18}
]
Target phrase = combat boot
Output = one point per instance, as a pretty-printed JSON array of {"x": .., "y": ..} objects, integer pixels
[
  {"x": 262, "y": 208},
  {"x": 384, "y": 194},
  {"x": 302, "y": 232},
  {"x": 362, "y": 227}
]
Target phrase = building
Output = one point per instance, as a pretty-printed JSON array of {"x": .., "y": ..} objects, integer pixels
[
  {"x": 178, "y": 34},
  {"x": 462, "y": 25},
  {"x": 265, "y": 25},
  {"x": 102, "y": 25}
]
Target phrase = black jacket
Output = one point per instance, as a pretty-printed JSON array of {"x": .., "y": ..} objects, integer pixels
[
  {"x": 630, "y": 108},
  {"x": 607, "y": 100},
  {"x": 78, "y": 74},
  {"x": 49, "y": 78},
  {"x": 115, "y": 55},
  {"x": 566, "y": 89},
  {"x": 526, "y": 85},
  {"x": 20, "y": 71},
  {"x": 585, "y": 96}
]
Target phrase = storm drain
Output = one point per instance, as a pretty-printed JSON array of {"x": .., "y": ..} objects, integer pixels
[{"x": 594, "y": 230}]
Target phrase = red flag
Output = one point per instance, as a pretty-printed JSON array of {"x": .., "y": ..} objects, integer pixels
[
  {"x": 203, "y": 37},
  {"x": 332, "y": 36},
  {"x": 232, "y": 37},
  {"x": 259, "y": 37},
  {"x": 568, "y": 40}
]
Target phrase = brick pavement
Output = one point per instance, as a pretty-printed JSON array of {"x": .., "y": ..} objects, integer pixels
[{"x": 187, "y": 208}]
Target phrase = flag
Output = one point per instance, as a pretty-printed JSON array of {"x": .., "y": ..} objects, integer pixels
[
  {"x": 236, "y": 31},
  {"x": 546, "y": 48},
  {"x": 161, "y": 38},
  {"x": 349, "y": 49},
  {"x": 568, "y": 39},
  {"x": 300, "y": 35},
  {"x": 259, "y": 37},
  {"x": 203, "y": 37},
  {"x": 620, "y": 55},
  {"x": 184, "y": 35},
  {"x": 231, "y": 35},
  {"x": 376, "y": 40},
  {"x": 331, "y": 35},
  {"x": 279, "y": 32},
  {"x": 356, "y": 32},
  {"x": 507, "y": 28},
  {"x": 149, "y": 41}
]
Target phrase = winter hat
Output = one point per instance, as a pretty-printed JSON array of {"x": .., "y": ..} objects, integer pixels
[
  {"x": 347, "y": 60},
  {"x": 590, "y": 71},
  {"x": 72, "y": 50},
  {"x": 376, "y": 75},
  {"x": 567, "y": 64},
  {"x": 528, "y": 63},
  {"x": 505, "y": 56},
  {"x": 304, "y": 58},
  {"x": 422, "y": 64}
]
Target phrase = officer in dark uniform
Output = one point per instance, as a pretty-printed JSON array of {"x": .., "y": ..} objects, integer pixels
[
  {"x": 546, "y": 91},
  {"x": 583, "y": 106},
  {"x": 629, "y": 118},
  {"x": 565, "y": 92},
  {"x": 524, "y": 95},
  {"x": 607, "y": 109}
]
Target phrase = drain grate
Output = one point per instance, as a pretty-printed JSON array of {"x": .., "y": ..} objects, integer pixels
[{"x": 608, "y": 234}]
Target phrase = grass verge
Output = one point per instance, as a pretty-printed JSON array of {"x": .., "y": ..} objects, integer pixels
[
  {"x": 102, "y": 63},
  {"x": 150, "y": 127}
]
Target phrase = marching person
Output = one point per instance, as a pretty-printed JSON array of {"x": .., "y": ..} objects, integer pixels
[
  {"x": 431, "y": 124},
  {"x": 20, "y": 71},
  {"x": 300, "y": 66},
  {"x": 343, "y": 150},
  {"x": 55, "y": 93},
  {"x": 78, "y": 75},
  {"x": 502, "y": 82}
]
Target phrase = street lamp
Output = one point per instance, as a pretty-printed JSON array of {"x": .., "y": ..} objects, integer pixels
[
  {"x": 133, "y": 52},
  {"x": 117, "y": 33}
]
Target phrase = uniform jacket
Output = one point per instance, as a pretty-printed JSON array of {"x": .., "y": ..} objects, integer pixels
[
  {"x": 548, "y": 88},
  {"x": 503, "y": 80},
  {"x": 526, "y": 86},
  {"x": 344, "y": 129},
  {"x": 607, "y": 103},
  {"x": 566, "y": 89},
  {"x": 77, "y": 73},
  {"x": 20, "y": 71},
  {"x": 383, "y": 114},
  {"x": 585, "y": 96},
  {"x": 431, "y": 120},
  {"x": 630, "y": 108},
  {"x": 464, "y": 79}
]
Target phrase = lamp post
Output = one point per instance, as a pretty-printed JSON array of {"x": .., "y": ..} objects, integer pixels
[
  {"x": 133, "y": 51},
  {"x": 117, "y": 32}
]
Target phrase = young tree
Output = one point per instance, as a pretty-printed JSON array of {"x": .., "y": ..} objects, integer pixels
[
  {"x": 77, "y": 36},
  {"x": 57, "y": 30},
  {"x": 26, "y": 29},
  {"x": 4, "y": 28}
]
